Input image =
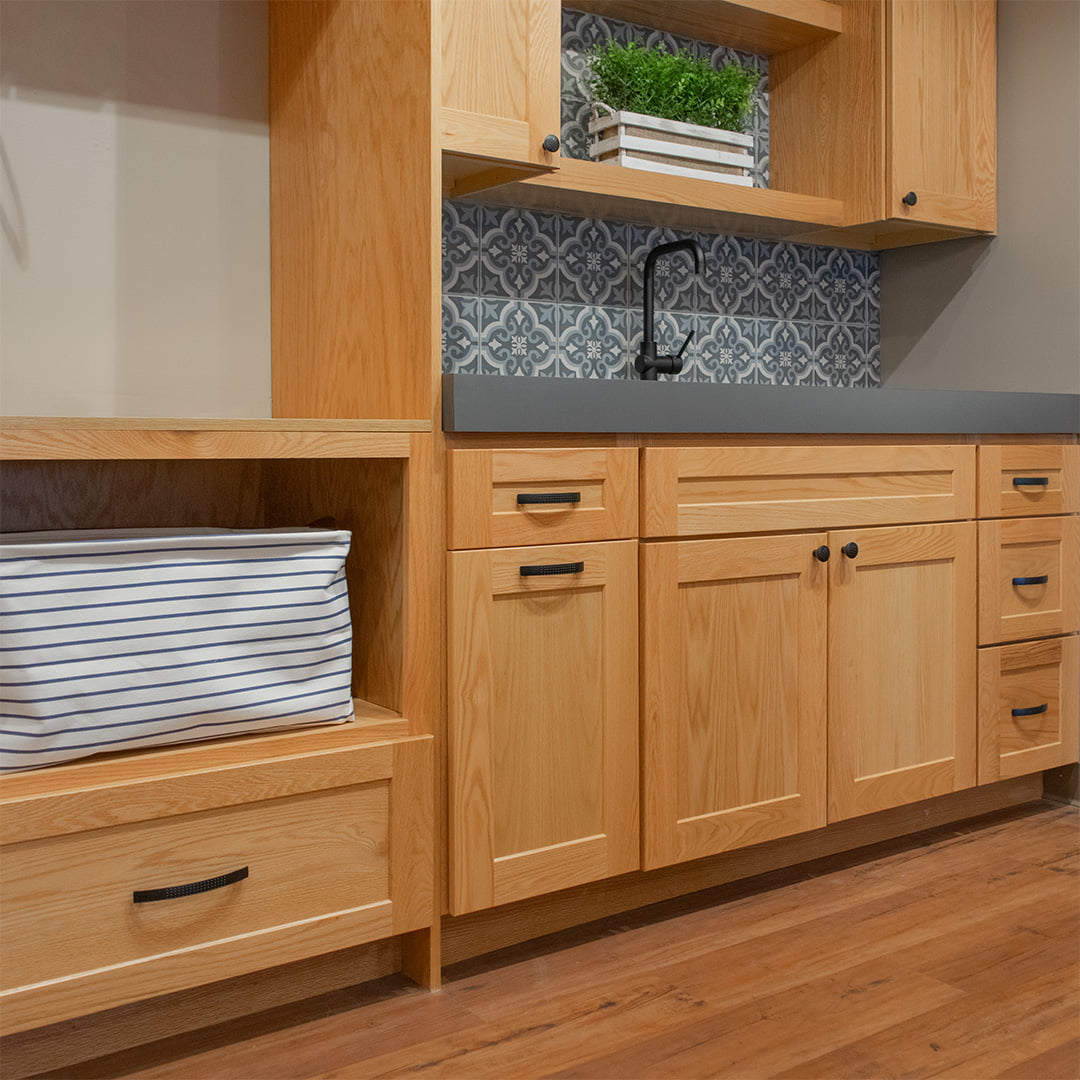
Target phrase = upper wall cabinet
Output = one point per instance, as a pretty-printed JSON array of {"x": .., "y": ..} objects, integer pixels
[
  {"x": 499, "y": 89},
  {"x": 881, "y": 121}
]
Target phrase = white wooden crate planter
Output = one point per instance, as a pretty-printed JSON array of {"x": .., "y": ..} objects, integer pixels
[{"x": 636, "y": 141}]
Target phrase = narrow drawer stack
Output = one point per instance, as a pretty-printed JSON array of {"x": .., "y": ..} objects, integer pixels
[{"x": 1029, "y": 608}]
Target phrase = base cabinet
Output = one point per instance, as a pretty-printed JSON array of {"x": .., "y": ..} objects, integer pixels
[
  {"x": 901, "y": 665},
  {"x": 542, "y": 650},
  {"x": 733, "y": 693}
]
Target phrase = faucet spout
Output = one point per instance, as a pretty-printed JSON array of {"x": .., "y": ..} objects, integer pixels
[{"x": 649, "y": 364}]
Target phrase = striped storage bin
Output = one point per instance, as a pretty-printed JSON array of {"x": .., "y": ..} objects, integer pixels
[{"x": 117, "y": 639}]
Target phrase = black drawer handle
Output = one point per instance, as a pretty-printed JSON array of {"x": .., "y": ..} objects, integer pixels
[
  {"x": 553, "y": 568},
  {"x": 174, "y": 892},
  {"x": 822, "y": 553},
  {"x": 550, "y": 497},
  {"x": 1031, "y": 481},
  {"x": 1042, "y": 579},
  {"x": 1034, "y": 711}
]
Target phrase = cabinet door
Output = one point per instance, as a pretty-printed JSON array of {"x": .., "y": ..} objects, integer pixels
[
  {"x": 733, "y": 699},
  {"x": 543, "y": 719},
  {"x": 941, "y": 90},
  {"x": 901, "y": 666},
  {"x": 500, "y": 79}
]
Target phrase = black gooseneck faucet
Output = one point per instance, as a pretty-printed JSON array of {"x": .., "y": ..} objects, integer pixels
[{"x": 648, "y": 364}]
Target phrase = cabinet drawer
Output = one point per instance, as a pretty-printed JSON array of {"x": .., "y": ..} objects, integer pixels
[
  {"x": 1029, "y": 580},
  {"x": 713, "y": 490},
  {"x": 1029, "y": 716},
  {"x": 1015, "y": 481},
  {"x": 68, "y": 900},
  {"x": 504, "y": 498}
]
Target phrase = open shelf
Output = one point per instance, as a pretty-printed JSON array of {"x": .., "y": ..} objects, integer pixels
[
  {"x": 759, "y": 26},
  {"x": 91, "y": 438},
  {"x": 595, "y": 189}
]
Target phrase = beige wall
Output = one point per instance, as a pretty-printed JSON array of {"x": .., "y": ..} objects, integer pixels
[
  {"x": 134, "y": 208},
  {"x": 1004, "y": 314}
]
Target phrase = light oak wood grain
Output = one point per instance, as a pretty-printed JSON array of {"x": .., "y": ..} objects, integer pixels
[
  {"x": 901, "y": 666},
  {"x": 484, "y": 485},
  {"x": 1028, "y": 547},
  {"x": 717, "y": 489},
  {"x": 1000, "y": 465},
  {"x": 543, "y": 720},
  {"x": 1025, "y": 676},
  {"x": 733, "y": 694}
]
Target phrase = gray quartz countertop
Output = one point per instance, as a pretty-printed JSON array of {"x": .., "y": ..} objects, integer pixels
[{"x": 501, "y": 403}]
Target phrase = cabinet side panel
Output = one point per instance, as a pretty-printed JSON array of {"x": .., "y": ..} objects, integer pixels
[{"x": 351, "y": 202}]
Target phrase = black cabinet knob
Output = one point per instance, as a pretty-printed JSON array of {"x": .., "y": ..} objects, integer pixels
[
  {"x": 851, "y": 549},
  {"x": 910, "y": 199},
  {"x": 822, "y": 553},
  {"x": 551, "y": 143}
]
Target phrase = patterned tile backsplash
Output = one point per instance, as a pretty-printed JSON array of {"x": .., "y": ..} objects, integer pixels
[
  {"x": 581, "y": 31},
  {"x": 533, "y": 293}
]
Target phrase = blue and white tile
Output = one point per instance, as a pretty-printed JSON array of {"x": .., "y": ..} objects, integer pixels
[
  {"x": 519, "y": 254},
  {"x": 460, "y": 334},
  {"x": 847, "y": 355},
  {"x": 592, "y": 342},
  {"x": 728, "y": 284},
  {"x": 726, "y": 350},
  {"x": 786, "y": 351},
  {"x": 460, "y": 247},
  {"x": 675, "y": 280},
  {"x": 842, "y": 286},
  {"x": 518, "y": 337},
  {"x": 786, "y": 275},
  {"x": 592, "y": 262}
]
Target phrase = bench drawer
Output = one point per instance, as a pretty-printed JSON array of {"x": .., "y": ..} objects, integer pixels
[{"x": 510, "y": 498}]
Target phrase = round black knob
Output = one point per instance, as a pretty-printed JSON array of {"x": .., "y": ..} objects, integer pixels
[
  {"x": 851, "y": 549},
  {"x": 910, "y": 199},
  {"x": 551, "y": 143},
  {"x": 822, "y": 553}
]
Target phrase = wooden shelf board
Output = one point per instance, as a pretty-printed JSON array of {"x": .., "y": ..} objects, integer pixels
[
  {"x": 87, "y": 438},
  {"x": 373, "y": 726},
  {"x": 600, "y": 190},
  {"x": 759, "y": 26}
]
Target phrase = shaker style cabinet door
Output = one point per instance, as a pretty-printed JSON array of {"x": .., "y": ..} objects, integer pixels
[
  {"x": 543, "y": 719},
  {"x": 500, "y": 80},
  {"x": 942, "y": 83},
  {"x": 733, "y": 700},
  {"x": 902, "y": 663}
]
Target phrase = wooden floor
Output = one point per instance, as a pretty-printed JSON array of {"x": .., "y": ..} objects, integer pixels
[{"x": 952, "y": 954}]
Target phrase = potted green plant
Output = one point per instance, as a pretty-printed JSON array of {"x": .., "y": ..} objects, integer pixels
[{"x": 671, "y": 112}]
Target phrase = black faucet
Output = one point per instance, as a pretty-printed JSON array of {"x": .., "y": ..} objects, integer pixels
[{"x": 648, "y": 365}]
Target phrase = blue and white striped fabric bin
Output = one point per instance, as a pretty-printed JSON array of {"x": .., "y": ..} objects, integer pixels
[{"x": 122, "y": 638}]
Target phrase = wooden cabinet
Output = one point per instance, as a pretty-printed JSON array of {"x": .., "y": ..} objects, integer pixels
[
  {"x": 882, "y": 119},
  {"x": 499, "y": 101},
  {"x": 733, "y": 654},
  {"x": 542, "y": 656},
  {"x": 901, "y": 665}
]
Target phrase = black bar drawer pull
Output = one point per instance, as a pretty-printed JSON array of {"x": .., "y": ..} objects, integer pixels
[
  {"x": 1033, "y": 711},
  {"x": 1031, "y": 481},
  {"x": 1042, "y": 579},
  {"x": 174, "y": 892},
  {"x": 544, "y": 498},
  {"x": 553, "y": 568}
]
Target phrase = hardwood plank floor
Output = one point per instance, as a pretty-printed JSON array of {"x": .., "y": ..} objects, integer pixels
[{"x": 950, "y": 954}]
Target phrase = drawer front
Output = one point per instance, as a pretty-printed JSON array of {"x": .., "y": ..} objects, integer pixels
[
  {"x": 1029, "y": 713},
  {"x": 1029, "y": 580},
  {"x": 1016, "y": 481},
  {"x": 506, "y": 498},
  {"x": 68, "y": 900},
  {"x": 716, "y": 490}
]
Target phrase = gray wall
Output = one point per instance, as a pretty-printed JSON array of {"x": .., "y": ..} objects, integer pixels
[
  {"x": 1004, "y": 313},
  {"x": 134, "y": 204}
]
